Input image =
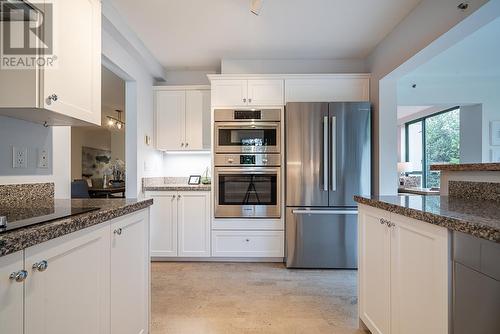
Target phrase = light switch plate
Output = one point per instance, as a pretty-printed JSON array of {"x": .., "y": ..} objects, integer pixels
[{"x": 19, "y": 157}]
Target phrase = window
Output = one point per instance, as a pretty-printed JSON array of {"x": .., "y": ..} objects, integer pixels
[{"x": 430, "y": 140}]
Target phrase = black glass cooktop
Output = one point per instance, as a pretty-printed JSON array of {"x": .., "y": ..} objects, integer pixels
[{"x": 12, "y": 218}]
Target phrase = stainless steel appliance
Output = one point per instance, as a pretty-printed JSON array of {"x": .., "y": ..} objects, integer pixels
[
  {"x": 328, "y": 161},
  {"x": 247, "y": 131},
  {"x": 247, "y": 185},
  {"x": 476, "y": 285}
]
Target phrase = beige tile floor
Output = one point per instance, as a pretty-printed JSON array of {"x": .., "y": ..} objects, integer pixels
[{"x": 227, "y": 298}]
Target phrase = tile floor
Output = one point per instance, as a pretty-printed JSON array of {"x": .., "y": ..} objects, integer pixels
[{"x": 228, "y": 298}]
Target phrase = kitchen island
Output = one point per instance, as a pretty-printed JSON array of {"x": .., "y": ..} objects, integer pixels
[{"x": 88, "y": 273}]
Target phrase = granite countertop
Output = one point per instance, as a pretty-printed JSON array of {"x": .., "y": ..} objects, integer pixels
[
  {"x": 418, "y": 191},
  {"x": 171, "y": 184},
  {"x": 477, "y": 217},
  {"x": 19, "y": 239},
  {"x": 495, "y": 166}
]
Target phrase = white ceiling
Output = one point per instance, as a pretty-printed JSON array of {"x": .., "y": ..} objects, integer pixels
[
  {"x": 404, "y": 111},
  {"x": 197, "y": 34}
]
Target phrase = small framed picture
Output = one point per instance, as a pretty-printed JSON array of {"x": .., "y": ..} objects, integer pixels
[
  {"x": 194, "y": 180},
  {"x": 495, "y": 133}
]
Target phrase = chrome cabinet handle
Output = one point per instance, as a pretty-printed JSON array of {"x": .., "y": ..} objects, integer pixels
[
  {"x": 249, "y": 100},
  {"x": 178, "y": 197},
  {"x": 383, "y": 221},
  {"x": 187, "y": 144},
  {"x": 52, "y": 98},
  {"x": 19, "y": 276},
  {"x": 182, "y": 144},
  {"x": 118, "y": 231},
  {"x": 40, "y": 266},
  {"x": 247, "y": 240},
  {"x": 244, "y": 100},
  {"x": 387, "y": 222},
  {"x": 390, "y": 224},
  {"x": 173, "y": 197}
]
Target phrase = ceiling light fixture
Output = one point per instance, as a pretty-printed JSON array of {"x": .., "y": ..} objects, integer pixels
[
  {"x": 256, "y": 6},
  {"x": 463, "y": 6},
  {"x": 114, "y": 122}
]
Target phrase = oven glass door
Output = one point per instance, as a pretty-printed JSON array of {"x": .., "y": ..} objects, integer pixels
[
  {"x": 248, "y": 138},
  {"x": 244, "y": 193}
]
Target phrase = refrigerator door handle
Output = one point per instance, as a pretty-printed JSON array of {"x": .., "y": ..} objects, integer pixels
[
  {"x": 325, "y": 153},
  {"x": 325, "y": 212},
  {"x": 334, "y": 153}
]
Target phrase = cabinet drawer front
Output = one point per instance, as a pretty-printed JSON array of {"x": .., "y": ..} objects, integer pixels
[
  {"x": 11, "y": 294},
  {"x": 248, "y": 244}
]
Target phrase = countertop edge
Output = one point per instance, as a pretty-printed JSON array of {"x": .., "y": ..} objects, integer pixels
[
  {"x": 454, "y": 224},
  {"x": 477, "y": 167},
  {"x": 21, "y": 239},
  {"x": 177, "y": 188}
]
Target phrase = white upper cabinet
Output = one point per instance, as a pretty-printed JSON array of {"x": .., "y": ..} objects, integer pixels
[
  {"x": 244, "y": 93},
  {"x": 229, "y": 93},
  {"x": 265, "y": 92},
  {"x": 70, "y": 92},
  {"x": 182, "y": 117},
  {"x": 341, "y": 88},
  {"x": 12, "y": 278}
]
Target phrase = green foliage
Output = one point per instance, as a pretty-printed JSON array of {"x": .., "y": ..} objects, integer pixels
[{"x": 442, "y": 141}]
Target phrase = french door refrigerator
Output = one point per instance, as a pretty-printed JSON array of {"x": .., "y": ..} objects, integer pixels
[{"x": 328, "y": 161}]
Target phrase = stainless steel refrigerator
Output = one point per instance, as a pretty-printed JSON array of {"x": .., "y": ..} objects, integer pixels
[{"x": 328, "y": 161}]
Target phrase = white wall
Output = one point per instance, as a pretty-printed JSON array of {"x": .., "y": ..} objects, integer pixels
[
  {"x": 426, "y": 23},
  {"x": 292, "y": 66},
  {"x": 187, "y": 77},
  {"x": 185, "y": 164},
  {"x": 471, "y": 123}
]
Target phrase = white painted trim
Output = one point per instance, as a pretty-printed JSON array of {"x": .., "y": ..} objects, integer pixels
[
  {"x": 212, "y": 77},
  {"x": 183, "y": 87},
  {"x": 220, "y": 259},
  {"x": 116, "y": 26}
]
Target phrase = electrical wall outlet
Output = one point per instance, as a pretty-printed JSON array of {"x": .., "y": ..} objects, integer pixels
[
  {"x": 43, "y": 158},
  {"x": 19, "y": 157}
]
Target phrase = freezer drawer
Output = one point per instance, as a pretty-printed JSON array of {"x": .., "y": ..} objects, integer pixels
[{"x": 321, "y": 238}]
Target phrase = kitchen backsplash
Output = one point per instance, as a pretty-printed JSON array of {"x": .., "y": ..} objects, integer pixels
[
  {"x": 186, "y": 163},
  {"x": 22, "y": 194}
]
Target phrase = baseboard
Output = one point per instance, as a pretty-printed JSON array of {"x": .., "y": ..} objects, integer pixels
[{"x": 219, "y": 259}]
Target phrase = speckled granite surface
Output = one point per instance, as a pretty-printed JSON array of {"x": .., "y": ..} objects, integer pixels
[
  {"x": 468, "y": 167},
  {"x": 488, "y": 191},
  {"x": 22, "y": 238},
  {"x": 10, "y": 194},
  {"x": 171, "y": 184},
  {"x": 479, "y": 218}
]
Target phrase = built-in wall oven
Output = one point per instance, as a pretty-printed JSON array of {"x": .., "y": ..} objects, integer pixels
[
  {"x": 247, "y": 174},
  {"x": 247, "y": 131}
]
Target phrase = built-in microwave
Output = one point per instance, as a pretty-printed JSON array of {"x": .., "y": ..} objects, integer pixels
[{"x": 247, "y": 131}]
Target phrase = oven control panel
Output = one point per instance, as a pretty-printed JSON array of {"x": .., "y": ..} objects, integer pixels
[{"x": 247, "y": 160}]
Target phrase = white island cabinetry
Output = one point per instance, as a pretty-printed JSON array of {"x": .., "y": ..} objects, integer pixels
[{"x": 403, "y": 274}]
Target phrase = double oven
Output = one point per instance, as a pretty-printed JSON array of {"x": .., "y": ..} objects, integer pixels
[{"x": 247, "y": 174}]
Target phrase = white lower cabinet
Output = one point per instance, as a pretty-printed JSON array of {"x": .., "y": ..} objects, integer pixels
[
  {"x": 130, "y": 288},
  {"x": 89, "y": 281},
  {"x": 68, "y": 287},
  {"x": 403, "y": 274},
  {"x": 180, "y": 224},
  {"x": 12, "y": 277},
  {"x": 248, "y": 244}
]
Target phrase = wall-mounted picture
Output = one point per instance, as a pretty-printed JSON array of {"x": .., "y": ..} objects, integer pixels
[
  {"x": 495, "y": 133},
  {"x": 94, "y": 162}
]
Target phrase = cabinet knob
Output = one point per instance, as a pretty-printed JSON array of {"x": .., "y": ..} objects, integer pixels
[
  {"x": 247, "y": 240},
  {"x": 52, "y": 98},
  {"x": 41, "y": 266},
  {"x": 187, "y": 144},
  {"x": 182, "y": 144},
  {"x": 390, "y": 224},
  {"x": 382, "y": 221},
  {"x": 173, "y": 197},
  {"x": 179, "y": 196},
  {"x": 249, "y": 100},
  {"x": 244, "y": 100},
  {"x": 118, "y": 231},
  {"x": 19, "y": 276}
]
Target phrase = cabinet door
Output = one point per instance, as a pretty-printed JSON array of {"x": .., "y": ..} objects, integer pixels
[
  {"x": 197, "y": 108},
  {"x": 72, "y": 294},
  {"x": 11, "y": 294},
  {"x": 130, "y": 274},
  {"x": 170, "y": 109},
  {"x": 327, "y": 90},
  {"x": 419, "y": 277},
  {"x": 194, "y": 224},
  {"x": 77, "y": 44},
  {"x": 265, "y": 93},
  {"x": 374, "y": 269},
  {"x": 163, "y": 224},
  {"x": 229, "y": 93}
]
